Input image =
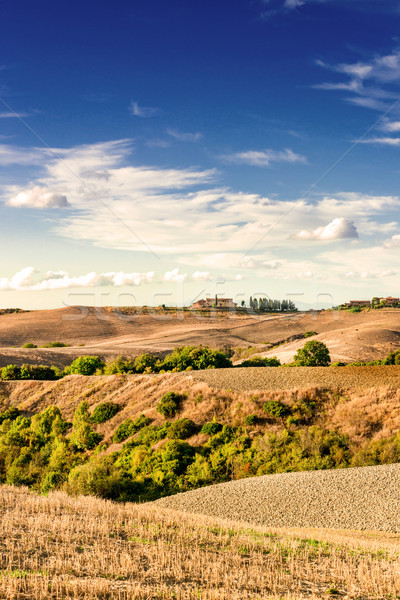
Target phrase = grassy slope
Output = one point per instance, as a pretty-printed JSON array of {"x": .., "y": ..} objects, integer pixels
[
  {"x": 363, "y": 414},
  {"x": 60, "y": 547}
]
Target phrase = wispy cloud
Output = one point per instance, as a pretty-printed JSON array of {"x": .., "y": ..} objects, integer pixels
[
  {"x": 386, "y": 141},
  {"x": 184, "y": 215},
  {"x": 369, "y": 83},
  {"x": 13, "y": 115},
  {"x": 144, "y": 112},
  {"x": 264, "y": 158},
  {"x": 272, "y": 8},
  {"x": 184, "y": 137}
]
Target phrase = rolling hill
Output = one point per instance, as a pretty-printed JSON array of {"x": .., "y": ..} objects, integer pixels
[{"x": 110, "y": 332}]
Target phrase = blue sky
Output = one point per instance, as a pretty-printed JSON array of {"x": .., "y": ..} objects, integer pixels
[{"x": 157, "y": 152}]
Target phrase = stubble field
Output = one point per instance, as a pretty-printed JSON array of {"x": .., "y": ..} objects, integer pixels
[{"x": 60, "y": 547}]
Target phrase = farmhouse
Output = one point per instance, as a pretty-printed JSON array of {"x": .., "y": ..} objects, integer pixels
[
  {"x": 390, "y": 301},
  {"x": 359, "y": 303},
  {"x": 214, "y": 303}
]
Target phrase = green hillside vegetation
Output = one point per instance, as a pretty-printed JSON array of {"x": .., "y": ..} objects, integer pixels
[{"x": 169, "y": 434}]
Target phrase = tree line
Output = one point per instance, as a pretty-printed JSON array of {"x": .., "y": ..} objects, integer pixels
[{"x": 269, "y": 305}]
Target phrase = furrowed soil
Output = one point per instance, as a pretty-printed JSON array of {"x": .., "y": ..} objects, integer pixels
[
  {"x": 59, "y": 547},
  {"x": 109, "y": 332},
  {"x": 286, "y": 378}
]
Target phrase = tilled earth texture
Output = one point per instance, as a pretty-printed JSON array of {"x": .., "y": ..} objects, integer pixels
[{"x": 365, "y": 498}]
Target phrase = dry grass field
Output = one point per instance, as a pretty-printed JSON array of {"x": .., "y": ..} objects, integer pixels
[
  {"x": 110, "y": 332},
  {"x": 59, "y": 547}
]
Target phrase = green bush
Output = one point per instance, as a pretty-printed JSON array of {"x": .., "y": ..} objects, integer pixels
[
  {"x": 119, "y": 365},
  {"x": 85, "y": 365},
  {"x": 259, "y": 361},
  {"x": 11, "y": 372},
  {"x": 97, "y": 478},
  {"x": 251, "y": 420},
  {"x": 29, "y": 345},
  {"x": 39, "y": 372},
  {"x": 197, "y": 358},
  {"x": 169, "y": 405},
  {"x": 276, "y": 409},
  {"x": 10, "y": 414},
  {"x": 129, "y": 427},
  {"x": 55, "y": 345},
  {"x": 182, "y": 429},
  {"x": 84, "y": 437},
  {"x": 104, "y": 412},
  {"x": 313, "y": 354},
  {"x": 211, "y": 428},
  {"x": 310, "y": 334},
  {"x": 145, "y": 363}
]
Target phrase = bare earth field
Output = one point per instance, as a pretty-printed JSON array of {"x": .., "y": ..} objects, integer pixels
[
  {"x": 110, "y": 332},
  {"x": 58, "y": 547},
  {"x": 286, "y": 378}
]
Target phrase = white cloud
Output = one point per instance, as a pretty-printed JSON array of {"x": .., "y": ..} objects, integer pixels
[
  {"x": 338, "y": 229},
  {"x": 394, "y": 242},
  {"x": 390, "y": 126},
  {"x": 370, "y": 274},
  {"x": 182, "y": 214},
  {"x": 38, "y": 197},
  {"x": 252, "y": 263},
  {"x": 144, "y": 112},
  {"x": 202, "y": 276},
  {"x": 175, "y": 276},
  {"x": 264, "y": 158},
  {"x": 184, "y": 137},
  {"x": 28, "y": 279},
  {"x": 386, "y": 141}
]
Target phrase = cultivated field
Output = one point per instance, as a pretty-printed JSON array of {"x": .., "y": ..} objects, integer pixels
[
  {"x": 110, "y": 332},
  {"x": 286, "y": 378},
  {"x": 364, "y": 498},
  {"x": 58, "y": 547}
]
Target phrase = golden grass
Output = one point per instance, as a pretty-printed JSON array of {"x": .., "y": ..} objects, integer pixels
[
  {"x": 85, "y": 548},
  {"x": 362, "y": 413}
]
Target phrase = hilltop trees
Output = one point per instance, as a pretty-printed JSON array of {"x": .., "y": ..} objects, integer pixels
[{"x": 269, "y": 305}]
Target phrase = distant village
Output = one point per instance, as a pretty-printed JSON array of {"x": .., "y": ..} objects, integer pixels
[
  {"x": 374, "y": 303},
  {"x": 256, "y": 304}
]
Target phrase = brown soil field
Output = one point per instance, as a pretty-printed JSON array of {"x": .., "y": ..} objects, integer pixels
[
  {"x": 58, "y": 547},
  {"x": 286, "y": 378},
  {"x": 110, "y": 332}
]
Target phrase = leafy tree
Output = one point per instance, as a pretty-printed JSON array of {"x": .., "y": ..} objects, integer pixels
[
  {"x": 119, "y": 365},
  {"x": 84, "y": 437},
  {"x": 313, "y": 354},
  {"x": 145, "y": 363},
  {"x": 85, "y": 365}
]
